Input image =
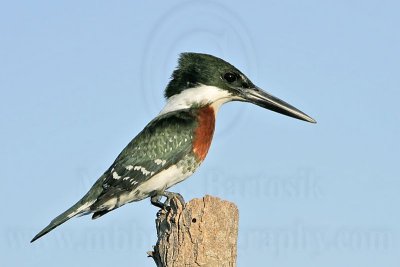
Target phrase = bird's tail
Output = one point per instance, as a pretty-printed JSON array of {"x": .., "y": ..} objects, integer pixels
[{"x": 81, "y": 207}]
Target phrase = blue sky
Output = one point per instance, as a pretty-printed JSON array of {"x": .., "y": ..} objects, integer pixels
[{"x": 79, "y": 79}]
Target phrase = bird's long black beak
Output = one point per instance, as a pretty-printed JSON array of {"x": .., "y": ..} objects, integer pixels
[{"x": 263, "y": 99}]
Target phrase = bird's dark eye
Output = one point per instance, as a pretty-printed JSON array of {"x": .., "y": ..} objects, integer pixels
[{"x": 230, "y": 77}]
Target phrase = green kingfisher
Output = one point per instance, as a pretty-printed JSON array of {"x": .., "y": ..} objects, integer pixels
[{"x": 174, "y": 144}]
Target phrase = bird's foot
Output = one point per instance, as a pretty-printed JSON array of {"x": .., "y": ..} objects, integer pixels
[
  {"x": 170, "y": 195},
  {"x": 156, "y": 199}
]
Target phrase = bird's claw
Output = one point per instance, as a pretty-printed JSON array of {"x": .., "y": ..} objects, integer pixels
[
  {"x": 156, "y": 200},
  {"x": 170, "y": 196}
]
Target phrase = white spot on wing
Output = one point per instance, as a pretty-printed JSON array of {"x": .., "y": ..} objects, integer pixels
[
  {"x": 160, "y": 162},
  {"x": 115, "y": 175},
  {"x": 142, "y": 169}
]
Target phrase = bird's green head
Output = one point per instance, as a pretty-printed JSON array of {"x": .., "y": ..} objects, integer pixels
[
  {"x": 203, "y": 79},
  {"x": 196, "y": 69}
]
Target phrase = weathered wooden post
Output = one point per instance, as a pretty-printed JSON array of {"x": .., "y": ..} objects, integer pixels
[{"x": 202, "y": 233}]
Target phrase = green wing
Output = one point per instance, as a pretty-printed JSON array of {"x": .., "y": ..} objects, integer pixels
[{"x": 162, "y": 143}]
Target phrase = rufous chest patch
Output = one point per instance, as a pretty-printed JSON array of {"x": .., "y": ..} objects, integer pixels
[{"x": 204, "y": 132}]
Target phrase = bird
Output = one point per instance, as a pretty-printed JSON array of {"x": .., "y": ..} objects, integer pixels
[{"x": 174, "y": 144}]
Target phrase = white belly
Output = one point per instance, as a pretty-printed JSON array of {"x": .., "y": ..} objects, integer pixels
[
  {"x": 159, "y": 182},
  {"x": 163, "y": 180}
]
